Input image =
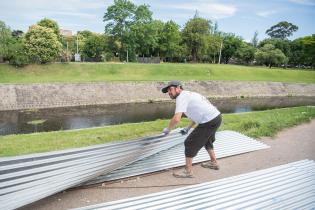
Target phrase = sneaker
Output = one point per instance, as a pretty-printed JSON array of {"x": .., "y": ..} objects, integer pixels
[
  {"x": 183, "y": 174},
  {"x": 211, "y": 165}
]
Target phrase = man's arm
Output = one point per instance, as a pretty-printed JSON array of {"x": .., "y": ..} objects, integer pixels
[{"x": 176, "y": 119}]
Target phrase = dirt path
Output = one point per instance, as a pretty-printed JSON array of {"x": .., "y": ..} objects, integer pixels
[{"x": 288, "y": 146}]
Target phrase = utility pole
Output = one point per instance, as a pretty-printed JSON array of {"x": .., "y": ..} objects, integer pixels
[
  {"x": 220, "y": 52},
  {"x": 77, "y": 42},
  {"x": 67, "y": 52},
  {"x": 77, "y": 56},
  {"x": 127, "y": 54}
]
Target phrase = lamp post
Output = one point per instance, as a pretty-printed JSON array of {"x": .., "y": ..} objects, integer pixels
[{"x": 77, "y": 56}]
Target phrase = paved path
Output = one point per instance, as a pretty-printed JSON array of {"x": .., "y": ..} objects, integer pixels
[{"x": 288, "y": 146}]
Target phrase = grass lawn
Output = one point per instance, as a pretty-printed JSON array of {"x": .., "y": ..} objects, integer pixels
[
  {"x": 254, "y": 124},
  {"x": 97, "y": 72}
]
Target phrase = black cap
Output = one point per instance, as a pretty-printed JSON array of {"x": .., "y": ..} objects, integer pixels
[{"x": 174, "y": 83}]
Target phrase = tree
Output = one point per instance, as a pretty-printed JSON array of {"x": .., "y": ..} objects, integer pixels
[
  {"x": 170, "y": 40},
  {"x": 119, "y": 18},
  {"x": 143, "y": 36},
  {"x": 270, "y": 56},
  {"x": 254, "y": 41},
  {"x": 48, "y": 23},
  {"x": 245, "y": 53},
  {"x": 5, "y": 40},
  {"x": 18, "y": 53},
  {"x": 282, "y": 44},
  {"x": 214, "y": 44},
  {"x": 230, "y": 45},
  {"x": 296, "y": 56},
  {"x": 94, "y": 47},
  {"x": 309, "y": 49},
  {"x": 143, "y": 14},
  {"x": 42, "y": 44},
  {"x": 195, "y": 35},
  {"x": 282, "y": 30}
]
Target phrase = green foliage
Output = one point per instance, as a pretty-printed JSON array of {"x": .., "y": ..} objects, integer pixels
[
  {"x": 147, "y": 37},
  {"x": 170, "y": 40},
  {"x": 309, "y": 49},
  {"x": 283, "y": 45},
  {"x": 214, "y": 44},
  {"x": 195, "y": 35},
  {"x": 297, "y": 55},
  {"x": 132, "y": 29},
  {"x": 270, "y": 56},
  {"x": 267, "y": 123},
  {"x": 143, "y": 14},
  {"x": 5, "y": 40},
  {"x": 230, "y": 45},
  {"x": 18, "y": 53},
  {"x": 119, "y": 18},
  {"x": 94, "y": 47},
  {"x": 50, "y": 24},
  {"x": 42, "y": 44},
  {"x": 245, "y": 53},
  {"x": 282, "y": 30}
]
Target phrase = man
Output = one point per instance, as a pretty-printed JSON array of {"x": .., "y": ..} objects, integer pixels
[{"x": 200, "y": 111}]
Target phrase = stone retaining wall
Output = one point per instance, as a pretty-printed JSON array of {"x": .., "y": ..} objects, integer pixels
[{"x": 29, "y": 96}]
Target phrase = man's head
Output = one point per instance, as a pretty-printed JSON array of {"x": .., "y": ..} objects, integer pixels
[{"x": 173, "y": 88}]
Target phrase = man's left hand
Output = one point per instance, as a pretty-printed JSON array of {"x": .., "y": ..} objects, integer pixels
[{"x": 166, "y": 131}]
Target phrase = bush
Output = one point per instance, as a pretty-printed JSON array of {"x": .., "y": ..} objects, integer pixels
[
  {"x": 42, "y": 44},
  {"x": 18, "y": 55}
]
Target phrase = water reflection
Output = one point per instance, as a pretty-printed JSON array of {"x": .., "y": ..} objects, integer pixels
[{"x": 13, "y": 122}]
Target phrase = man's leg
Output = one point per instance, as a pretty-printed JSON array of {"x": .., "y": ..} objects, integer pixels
[
  {"x": 212, "y": 155},
  {"x": 189, "y": 164},
  {"x": 213, "y": 164}
]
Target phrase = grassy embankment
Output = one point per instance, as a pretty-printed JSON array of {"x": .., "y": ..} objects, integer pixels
[
  {"x": 254, "y": 124},
  {"x": 96, "y": 72}
]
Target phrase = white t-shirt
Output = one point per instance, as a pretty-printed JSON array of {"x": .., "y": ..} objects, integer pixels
[{"x": 196, "y": 107}]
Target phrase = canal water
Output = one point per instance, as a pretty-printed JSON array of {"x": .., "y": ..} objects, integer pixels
[{"x": 30, "y": 121}]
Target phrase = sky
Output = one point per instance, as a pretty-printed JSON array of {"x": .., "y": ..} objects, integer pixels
[{"x": 241, "y": 17}]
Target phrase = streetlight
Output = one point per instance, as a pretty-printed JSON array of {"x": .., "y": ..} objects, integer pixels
[{"x": 77, "y": 57}]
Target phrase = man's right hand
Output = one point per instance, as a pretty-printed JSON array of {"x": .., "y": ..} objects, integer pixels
[{"x": 184, "y": 131}]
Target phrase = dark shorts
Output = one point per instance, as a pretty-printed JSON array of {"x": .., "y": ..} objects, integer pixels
[{"x": 202, "y": 136}]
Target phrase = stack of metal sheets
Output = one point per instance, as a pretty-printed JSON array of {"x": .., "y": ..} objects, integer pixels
[
  {"x": 290, "y": 186},
  {"x": 25, "y": 179},
  {"x": 227, "y": 143}
]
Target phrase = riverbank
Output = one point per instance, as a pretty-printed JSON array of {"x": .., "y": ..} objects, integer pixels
[
  {"x": 39, "y": 96},
  {"x": 289, "y": 145},
  {"x": 253, "y": 124},
  {"x": 101, "y": 72}
]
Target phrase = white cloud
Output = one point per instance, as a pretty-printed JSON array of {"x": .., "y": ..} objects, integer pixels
[
  {"x": 184, "y": 8},
  {"x": 213, "y": 10},
  {"x": 304, "y": 2},
  {"x": 266, "y": 13}
]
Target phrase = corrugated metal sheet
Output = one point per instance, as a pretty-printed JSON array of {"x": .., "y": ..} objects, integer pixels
[
  {"x": 227, "y": 143},
  {"x": 290, "y": 186},
  {"x": 28, "y": 178}
]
